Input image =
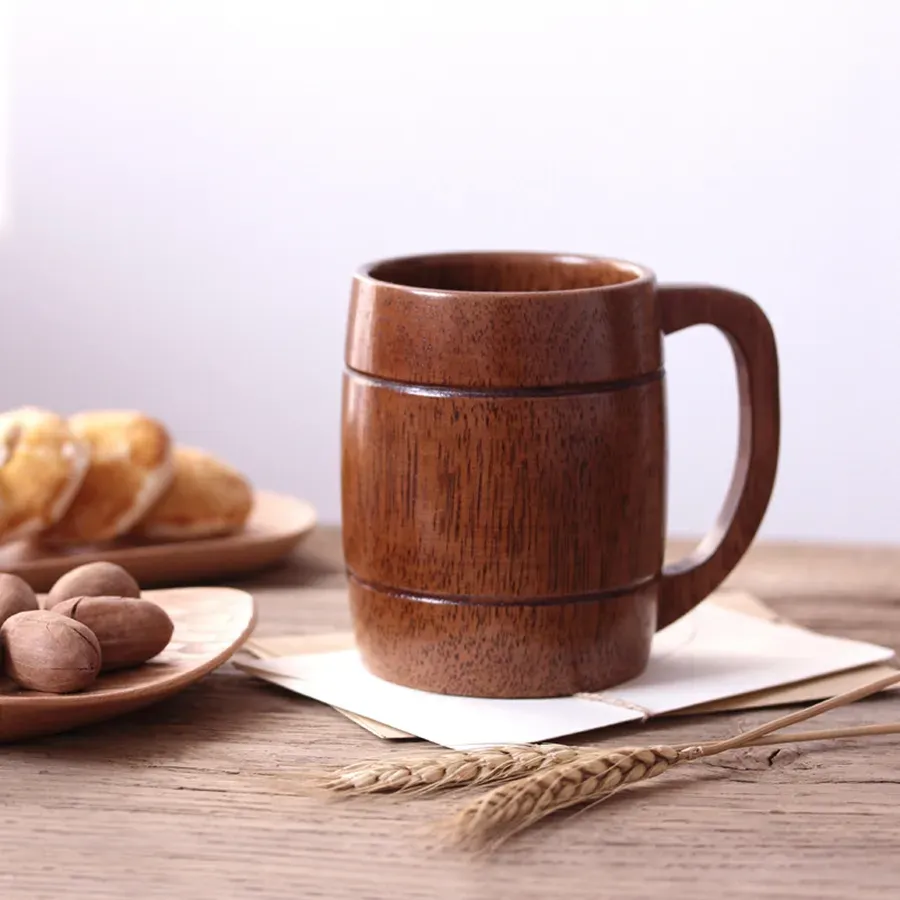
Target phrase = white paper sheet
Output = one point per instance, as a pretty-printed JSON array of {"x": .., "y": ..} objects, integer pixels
[{"x": 710, "y": 654}]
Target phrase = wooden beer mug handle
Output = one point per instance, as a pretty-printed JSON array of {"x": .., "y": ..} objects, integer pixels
[{"x": 685, "y": 583}]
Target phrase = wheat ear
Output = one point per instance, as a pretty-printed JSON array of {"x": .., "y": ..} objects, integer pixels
[
  {"x": 595, "y": 775},
  {"x": 510, "y": 808},
  {"x": 426, "y": 773}
]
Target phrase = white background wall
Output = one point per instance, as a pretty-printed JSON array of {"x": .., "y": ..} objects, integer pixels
[{"x": 193, "y": 182}]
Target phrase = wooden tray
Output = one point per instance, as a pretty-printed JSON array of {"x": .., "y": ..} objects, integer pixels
[
  {"x": 210, "y": 625},
  {"x": 276, "y": 525}
]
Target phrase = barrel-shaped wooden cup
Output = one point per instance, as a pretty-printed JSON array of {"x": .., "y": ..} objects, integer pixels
[{"x": 504, "y": 468}]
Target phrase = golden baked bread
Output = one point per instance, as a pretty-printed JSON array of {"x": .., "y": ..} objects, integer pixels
[
  {"x": 42, "y": 466},
  {"x": 130, "y": 468},
  {"x": 206, "y": 498}
]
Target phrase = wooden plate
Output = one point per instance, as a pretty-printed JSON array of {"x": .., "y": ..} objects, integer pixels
[
  {"x": 210, "y": 625},
  {"x": 276, "y": 525}
]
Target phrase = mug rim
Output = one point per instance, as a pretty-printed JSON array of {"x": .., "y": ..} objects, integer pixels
[{"x": 643, "y": 274}]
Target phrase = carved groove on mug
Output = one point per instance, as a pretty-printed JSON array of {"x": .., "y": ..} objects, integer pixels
[
  {"x": 551, "y": 390},
  {"x": 466, "y": 600}
]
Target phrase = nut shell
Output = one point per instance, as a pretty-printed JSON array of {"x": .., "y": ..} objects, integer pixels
[
  {"x": 130, "y": 631},
  {"x": 16, "y": 596},
  {"x": 97, "y": 579},
  {"x": 44, "y": 651}
]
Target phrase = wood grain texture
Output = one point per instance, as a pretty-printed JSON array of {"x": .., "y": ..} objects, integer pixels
[
  {"x": 196, "y": 797},
  {"x": 467, "y": 321},
  {"x": 504, "y": 442},
  {"x": 517, "y": 644},
  {"x": 687, "y": 582},
  {"x": 503, "y": 498}
]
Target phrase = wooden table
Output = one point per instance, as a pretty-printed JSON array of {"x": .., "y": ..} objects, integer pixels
[{"x": 195, "y": 797}]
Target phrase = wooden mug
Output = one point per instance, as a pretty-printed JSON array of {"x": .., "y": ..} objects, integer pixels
[{"x": 504, "y": 467}]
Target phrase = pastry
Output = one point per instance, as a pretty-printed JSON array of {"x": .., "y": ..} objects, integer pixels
[
  {"x": 207, "y": 497},
  {"x": 130, "y": 468},
  {"x": 42, "y": 466}
]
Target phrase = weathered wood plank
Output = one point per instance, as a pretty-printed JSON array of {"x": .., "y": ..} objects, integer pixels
[{"x": 197, "y": 797}]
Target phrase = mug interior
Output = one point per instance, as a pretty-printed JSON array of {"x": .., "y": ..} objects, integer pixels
[{"x": 504, "y": 272}]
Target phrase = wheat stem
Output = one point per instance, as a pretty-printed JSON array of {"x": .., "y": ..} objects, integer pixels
[
  {"x": 866, "y": 690},
  {"x": 824, "y": 734}
]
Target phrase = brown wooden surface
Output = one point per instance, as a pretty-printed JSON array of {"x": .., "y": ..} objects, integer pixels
[
  {"x": 503, "y": 649},
  {"x": 748, "y": 331},
  {"x": 471, "y": 315},
  {"x": 504, "y": 509},
  {"x": 194, "y": 798}
]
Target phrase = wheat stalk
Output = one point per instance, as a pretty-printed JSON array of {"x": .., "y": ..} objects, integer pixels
[
  {"x": 436, "y": 772},
  {"x": 426, "y": 773},
  {"x": 430, "y": 772},
  {"x": 595, "y": 775}
]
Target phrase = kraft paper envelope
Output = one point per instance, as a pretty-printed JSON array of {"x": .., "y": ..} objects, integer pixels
[{"x": 816, "y": 654}]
